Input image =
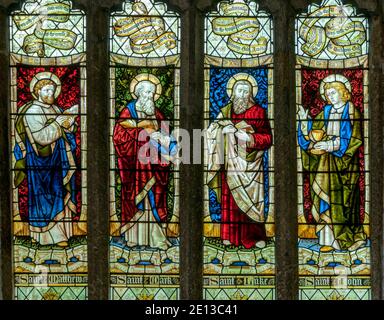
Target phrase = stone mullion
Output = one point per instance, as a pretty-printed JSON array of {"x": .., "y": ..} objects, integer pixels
[
  {"x": 191, "y": 176},
  {"x": 98, "y": 148},
  {"x": 376, "y": 152},
  {"x": 285, "y": 152},
  {"x": 6, "y": 279}
]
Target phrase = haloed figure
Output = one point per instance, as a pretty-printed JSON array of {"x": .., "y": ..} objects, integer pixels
[
  {"x": 242, "y": 127},
  {"x": 46, "y": 154},
  {"x": 144, "y": 181},
  {"x": 330, "y": 145}
]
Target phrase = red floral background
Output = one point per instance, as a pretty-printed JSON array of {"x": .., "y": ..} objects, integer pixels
[
  {"x": 312, "y": 100},
  {"x": 69, "y": 96}
]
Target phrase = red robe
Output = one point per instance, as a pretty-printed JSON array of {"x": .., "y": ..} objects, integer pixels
[
  {"x": 134, "y": 174},
  {"x": 236, "y": 227}
]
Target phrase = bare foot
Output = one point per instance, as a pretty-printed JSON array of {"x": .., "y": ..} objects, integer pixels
[
  {"x": 226, "y": 242},
  {"x": 260, "y": 244},
  {"x": 357, "y": 245},
  {"x": 326, "y": 249},
  {"x": 63, "y": 244}
]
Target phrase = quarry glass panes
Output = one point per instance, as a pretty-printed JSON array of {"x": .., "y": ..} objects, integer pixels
[
  {"x": 239, "y": 246},
  {"x": 48, "y": 159},
  {"x": 144, "y": 176},
  {"x": 332, "y": 152}
]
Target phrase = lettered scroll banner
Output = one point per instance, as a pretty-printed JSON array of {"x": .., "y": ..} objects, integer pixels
[
  {"x": 340, "y": 35},
  {"x": 57, "y": 38},
  {"x": 243, "y": 31},
  {"x": 146, "y": 34}
]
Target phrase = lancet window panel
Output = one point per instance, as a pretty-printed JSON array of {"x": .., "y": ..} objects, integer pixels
[
  {"x": 333, "y": 153},
  {"x": 144, "y": 171},
  {"x": 239, "y": 245},
  {"x": 49, "y": 144}
]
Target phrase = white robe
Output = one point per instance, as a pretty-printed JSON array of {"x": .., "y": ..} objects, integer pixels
[{"x": 245, "y": 178}]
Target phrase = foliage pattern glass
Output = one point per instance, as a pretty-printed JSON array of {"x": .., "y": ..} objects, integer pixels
[{"x": 144, "y": 226}]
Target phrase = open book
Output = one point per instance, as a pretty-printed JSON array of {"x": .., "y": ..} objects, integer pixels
[
  {"x": 71, "y": 112},
  {"x": 165, "y": 143},
  {"x": 242, "y": 125},
  {"x": 74, "y": 110}
]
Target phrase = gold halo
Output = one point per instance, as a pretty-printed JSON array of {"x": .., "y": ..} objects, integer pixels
[
  {"x": 242, "y": 77},
  {"x": 146, "y": 77},
  {"x": 45, "y": 76},
  {"x": 334, "y": 78}
]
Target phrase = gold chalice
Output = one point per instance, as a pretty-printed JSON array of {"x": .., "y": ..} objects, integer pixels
[{"x": 317, "y": 135}]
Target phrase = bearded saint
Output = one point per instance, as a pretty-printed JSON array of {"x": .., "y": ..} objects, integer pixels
[
  {"x": 45, "y": 158},
  {"x": 144, "y": 179},
  {"x": 243, "y": 129}
]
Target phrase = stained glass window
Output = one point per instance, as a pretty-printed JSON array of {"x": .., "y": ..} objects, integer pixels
[
  {"x": 239, "y": 250},
  {"x": 48, "y": 135},
  {"x": 332, "y": 152},
  {"x": 144, "y": 178}
]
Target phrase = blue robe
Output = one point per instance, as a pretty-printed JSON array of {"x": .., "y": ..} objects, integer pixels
[{"x": 45, "y": 175}]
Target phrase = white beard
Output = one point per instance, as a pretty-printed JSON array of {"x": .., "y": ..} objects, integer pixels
[
  {"x": 145, "y": 105},
  {"x": 240, "y": 105}
]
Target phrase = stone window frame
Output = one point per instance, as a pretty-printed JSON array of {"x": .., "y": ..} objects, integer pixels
[{"x": 192, "y": 15}]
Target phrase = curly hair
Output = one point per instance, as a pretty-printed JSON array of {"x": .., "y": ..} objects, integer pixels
[
  {"x": 340, "y": 87},
  {"x": 42, "y": 83}
]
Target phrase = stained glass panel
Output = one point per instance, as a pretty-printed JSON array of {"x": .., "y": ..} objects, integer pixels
[
  {"x": 145, "y": 30},
  {"x": 48, "y": 136},
  {"x": 331, "y": 30},
  {"x": 332, "y": 151},
  {"x": 144, "y": 179},
  {"x": 239, "y": 250},
  {"x": 47, "y": 28}
]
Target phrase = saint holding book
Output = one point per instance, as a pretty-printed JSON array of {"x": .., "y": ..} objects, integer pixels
[
  {"x": 141, "y": 142},
  {"x": 236, "y": 142},
  {"x": 45, "y": 157}
]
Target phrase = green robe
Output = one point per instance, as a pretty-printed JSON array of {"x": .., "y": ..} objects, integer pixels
[{"x": 334, "y": 178}]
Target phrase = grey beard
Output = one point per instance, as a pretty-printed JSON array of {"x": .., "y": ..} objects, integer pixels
[
  {"x": 145, "y": 105},
  {"x": 240, "y": 105}
]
